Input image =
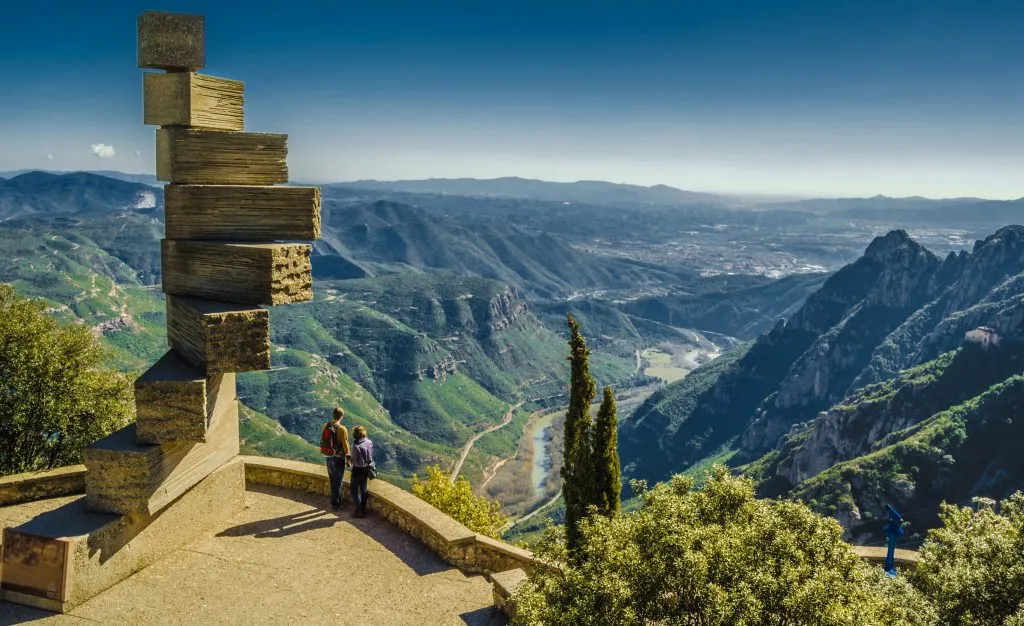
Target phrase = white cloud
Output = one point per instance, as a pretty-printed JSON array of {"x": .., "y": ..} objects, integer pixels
[
  {"x": 103, "y": 151},
  {"x": 49, "y": 157}
]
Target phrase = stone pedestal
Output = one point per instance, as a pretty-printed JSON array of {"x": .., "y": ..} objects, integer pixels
[{"x": 62, "y": 558}]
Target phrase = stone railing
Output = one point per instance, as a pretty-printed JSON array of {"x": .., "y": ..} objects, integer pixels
[
  {"x": 903, "y": 559},
  {"x": 469, "y": 551},
  {"x": 31, "y": 486}
]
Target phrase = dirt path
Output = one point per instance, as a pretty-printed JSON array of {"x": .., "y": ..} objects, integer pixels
[
  {"x": 493, "y": 471},
  {"x": 537, "y": 510},
  {"x": 505, "y": 421}
]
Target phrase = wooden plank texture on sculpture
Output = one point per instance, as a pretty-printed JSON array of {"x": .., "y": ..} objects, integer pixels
[
  {"x": 220, "y": 157},
  {"x": 126, "y": 477},
  {"x": 190, "y": 99},
  {"x": 171, "y": 402},
  {"x": 242, "y": 212},
  {"x": 171, "y": 41},
  {"x": 218, "y": 337},
  {"x": 235, "y": 272}
]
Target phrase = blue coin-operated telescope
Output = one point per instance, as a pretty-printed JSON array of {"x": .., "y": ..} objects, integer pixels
[{"x": 893, "y": 531}]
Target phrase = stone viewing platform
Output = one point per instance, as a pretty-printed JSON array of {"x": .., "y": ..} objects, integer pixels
[{"x": 284, "y": 557}]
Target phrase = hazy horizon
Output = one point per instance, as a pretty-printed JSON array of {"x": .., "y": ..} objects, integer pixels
[{"x": 805, "y": 99}]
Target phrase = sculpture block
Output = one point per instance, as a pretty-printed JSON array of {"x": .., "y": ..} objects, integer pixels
[
  {"x": 190, "y": 99},
  {"x": 212, "y": 157},
  {"x": 235, "y": 272},
  {"x": 241, "y": 213},
  {"x": 218, "y": 337},
  {"x": 171, "y": 402},
  {"x": 129, "y": 478},
  {"x": 172, "y": 41}
]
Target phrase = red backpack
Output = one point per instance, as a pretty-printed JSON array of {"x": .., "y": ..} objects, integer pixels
[{"x": 329, "y": 440}]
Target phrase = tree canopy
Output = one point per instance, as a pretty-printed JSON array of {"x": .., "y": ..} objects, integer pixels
[
  {"x": 55, "y": 396},
  {"x": 716, "y": 556},
  {"x": 458, "y": 501},
  {"x": 578, "y": 488}
]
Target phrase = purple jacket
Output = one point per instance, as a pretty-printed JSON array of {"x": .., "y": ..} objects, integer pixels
[{"x": 362, "y": 452}]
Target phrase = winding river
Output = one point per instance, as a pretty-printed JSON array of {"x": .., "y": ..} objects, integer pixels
[{"x": 542, "y": 464}]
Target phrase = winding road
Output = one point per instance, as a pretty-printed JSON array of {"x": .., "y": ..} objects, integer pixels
[{"x": 505, "y": 421}]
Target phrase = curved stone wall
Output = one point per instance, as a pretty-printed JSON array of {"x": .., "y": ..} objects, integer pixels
[
  {"x": 469, "y": 551},
  {"x": 31, "y": 486},
  {"x": 453, "y": 542}
]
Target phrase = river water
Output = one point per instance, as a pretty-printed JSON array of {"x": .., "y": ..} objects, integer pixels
[{"x": 541, "y": 458}]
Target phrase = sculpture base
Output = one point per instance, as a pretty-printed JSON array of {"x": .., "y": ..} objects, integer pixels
[{"x": 64, "y": 557}]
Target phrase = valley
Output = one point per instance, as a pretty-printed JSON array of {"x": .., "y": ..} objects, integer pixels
[{"x": 745, "y": 334}]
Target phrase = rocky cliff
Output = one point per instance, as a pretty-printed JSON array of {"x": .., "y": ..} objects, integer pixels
[{"x": 874, "y": 365}]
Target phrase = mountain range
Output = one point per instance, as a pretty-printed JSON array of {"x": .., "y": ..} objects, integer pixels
[
  {"x": 434, "y": 314},
  {"x": 896, "y": 382}
]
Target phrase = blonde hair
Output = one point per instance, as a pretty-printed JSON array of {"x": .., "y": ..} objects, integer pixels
[{"x": 359, "y": 432}]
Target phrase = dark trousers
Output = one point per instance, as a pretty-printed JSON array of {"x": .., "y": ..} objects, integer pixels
[
  {"x": 357, "y": 485},
  {"x": 335, "y": 472}
]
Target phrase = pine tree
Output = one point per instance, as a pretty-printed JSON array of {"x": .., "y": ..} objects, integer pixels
[
  {"x": 607, "y": 483},
  {"x": 577, "y": 464}
]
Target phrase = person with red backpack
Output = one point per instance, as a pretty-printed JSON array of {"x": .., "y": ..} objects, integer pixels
[{"x": 334, "y": 445}]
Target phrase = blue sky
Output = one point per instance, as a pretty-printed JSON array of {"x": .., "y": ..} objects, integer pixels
[{"x": 833, "y": 98}]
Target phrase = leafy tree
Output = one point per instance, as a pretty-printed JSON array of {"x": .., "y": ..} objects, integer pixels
[
  {"x": 458, "y": 501},
  {"x": 55, "y": 398},
  {"x": 713, "y": 557},
  {"x": 607, "y": 480},
  {"x": 577, "y": 462},
  {"x": 972, "y": 567}
]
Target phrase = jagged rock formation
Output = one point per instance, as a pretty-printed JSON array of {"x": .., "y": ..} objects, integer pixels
[{"x": 877, "y": 358}]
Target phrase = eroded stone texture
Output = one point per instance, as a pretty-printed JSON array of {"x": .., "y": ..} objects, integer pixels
[
  {"x": 170, "y": 402},
  {"x": 172, "y": 41},
  {"x": 214, "y": 157},
  {"x": 130, "y": 478},
  {"x": 190, "y": 99},
  {"x": 242, "y": 212},
  {"x": 219, "y": 337},
  {"x": 234, "y": 272}
]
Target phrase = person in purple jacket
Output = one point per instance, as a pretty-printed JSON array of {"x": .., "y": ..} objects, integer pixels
[{"x": 362, "y": 464}]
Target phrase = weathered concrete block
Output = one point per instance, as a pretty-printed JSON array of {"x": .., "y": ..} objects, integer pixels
[
  {"x": 218, "y": 337},
  {"x": 212, "y": 157},
  {"x": 63, "y": 558},
  {"x": 241, "y": 213},
  {"x": 172, "y": 41},
  {"x": 234, "y": 272},
  {"x": 170, "y": 402},
  {"x": 130, "y": 478},
  {"x": 190, "y": 99}
]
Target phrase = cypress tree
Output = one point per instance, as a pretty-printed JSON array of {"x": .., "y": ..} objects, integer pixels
[
  {"x": 607, "y": 483},
  {"x": 577, "y": 462}
]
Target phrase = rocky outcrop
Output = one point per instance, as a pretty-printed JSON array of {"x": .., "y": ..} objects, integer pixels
[
  {"x": 439, "y": 370},
  {"x": 503, "y": 311}
]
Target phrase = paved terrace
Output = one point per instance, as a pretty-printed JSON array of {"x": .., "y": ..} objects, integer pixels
[{"x": 283, "y": 560}]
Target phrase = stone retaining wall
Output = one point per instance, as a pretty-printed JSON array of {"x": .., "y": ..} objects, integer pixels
[
  {"x": 453, "y": 542},
  {"x": 32, "y": 486}
]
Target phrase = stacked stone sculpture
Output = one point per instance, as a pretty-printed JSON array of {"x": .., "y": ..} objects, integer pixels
[
  {"x": 172, "y": 476},
  {"x": 218, "y": 262}
]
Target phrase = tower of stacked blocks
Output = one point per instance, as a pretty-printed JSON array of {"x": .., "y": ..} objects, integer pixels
[
  {"x": 165, "y": 480},
  {"x": 220, "y": 259}
]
